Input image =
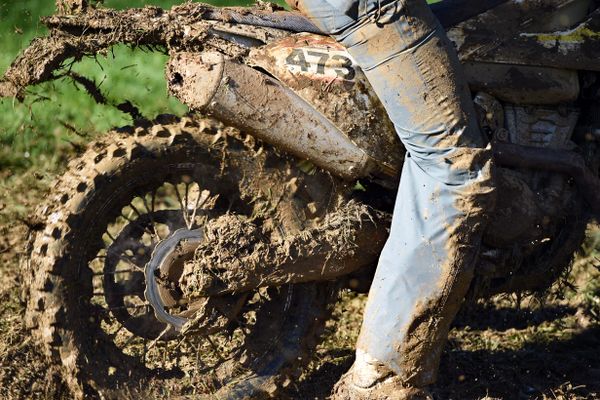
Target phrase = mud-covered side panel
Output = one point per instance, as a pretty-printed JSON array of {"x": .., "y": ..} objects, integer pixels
[
  {"x": 322, "y": 72},
  {"x": 553, "y": 33},
  {"x": 523, "y": 84}
]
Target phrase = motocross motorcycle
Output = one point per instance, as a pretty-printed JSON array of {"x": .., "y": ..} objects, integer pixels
[{"x": 202, "y": 255}]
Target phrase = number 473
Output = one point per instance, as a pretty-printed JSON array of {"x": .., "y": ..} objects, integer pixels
[{"x": 339, "y": 64}]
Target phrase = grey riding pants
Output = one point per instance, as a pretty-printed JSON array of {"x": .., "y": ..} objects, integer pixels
[{"x": 445, "y": 191}]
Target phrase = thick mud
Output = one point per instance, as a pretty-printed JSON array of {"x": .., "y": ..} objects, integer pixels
[
  {"x": 240, "y": 254},
  {"x": 96, "y": 30}
]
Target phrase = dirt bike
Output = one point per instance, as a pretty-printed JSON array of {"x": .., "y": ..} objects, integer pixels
[{"x": 202, "y": 255}]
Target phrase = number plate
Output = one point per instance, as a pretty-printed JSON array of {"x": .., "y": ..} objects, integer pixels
[
  {"x": 328, "y": 63},
  {"x": 314, "y": 57}
]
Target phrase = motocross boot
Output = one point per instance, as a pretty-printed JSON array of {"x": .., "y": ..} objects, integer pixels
[
  {"x": 370, "y": 379},
  {"x": 390, "y": 388}
]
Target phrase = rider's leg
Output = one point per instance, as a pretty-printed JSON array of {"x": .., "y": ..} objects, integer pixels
[{"x": 426, "y": 266}]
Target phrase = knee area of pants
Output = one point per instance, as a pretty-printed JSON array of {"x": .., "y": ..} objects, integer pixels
[
  {"x": 473, "y": 159},
  {"x": 457, "y": 170}
]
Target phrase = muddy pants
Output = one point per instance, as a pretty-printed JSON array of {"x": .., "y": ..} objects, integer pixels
[{"x": 427, "y": 264}]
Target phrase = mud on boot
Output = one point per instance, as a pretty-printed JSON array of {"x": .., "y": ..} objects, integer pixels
[{"x": 390, "y": 388}]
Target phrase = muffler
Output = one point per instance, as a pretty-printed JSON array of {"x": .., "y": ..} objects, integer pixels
[{"x": 247, "y": 99}]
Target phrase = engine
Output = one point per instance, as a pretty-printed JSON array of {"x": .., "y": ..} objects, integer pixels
[{"x": 532, "y": 205}]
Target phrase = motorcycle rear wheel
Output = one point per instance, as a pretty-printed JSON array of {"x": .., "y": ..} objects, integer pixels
[{"x": 82, "y": 313}]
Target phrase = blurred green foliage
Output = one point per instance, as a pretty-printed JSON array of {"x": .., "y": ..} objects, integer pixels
[{"x": 58, "y": 114}]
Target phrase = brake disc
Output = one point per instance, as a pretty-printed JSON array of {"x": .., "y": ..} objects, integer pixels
[
  {"x": 163, "y": 270},
  {"x": 203, "y": 315}
]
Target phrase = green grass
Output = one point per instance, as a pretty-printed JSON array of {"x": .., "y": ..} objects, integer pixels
[{"x": 37, "y": 130}]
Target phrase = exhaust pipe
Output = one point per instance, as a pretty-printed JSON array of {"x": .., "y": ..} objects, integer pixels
[{"x": 253, "y": 102}]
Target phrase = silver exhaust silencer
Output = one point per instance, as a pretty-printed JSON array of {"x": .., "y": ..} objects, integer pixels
[{"x": 245, "y": 98}]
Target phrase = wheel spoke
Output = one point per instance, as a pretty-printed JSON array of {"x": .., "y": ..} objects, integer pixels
[
  {"x": 162, "y": 334},
  {"x": 134, "y": 306},
  {"x": 150, "y": 213},
  {"x": 130, "y": 262},
  {"x": 200, "y": 200},
  {"x": 145, "y": 227},
  {"x": 215, "y": 348},
  {"x": 126, "y": 217},
  {"x": 145, "y": 351},
  {"x": 183, "y": 206},
  {"x": 187, "y": 200},
  {"x": 122, "y": 271},
  {"x": 129, "y": 341},
  {"x": 135, "y": 210},
  {"x": 114, "y": 334},
  {"x": 153, "y": 201},
  {"x": 128, "y": 307},
  {"x": 129, "y": 287},
  {"x": 111, "y": 237}
]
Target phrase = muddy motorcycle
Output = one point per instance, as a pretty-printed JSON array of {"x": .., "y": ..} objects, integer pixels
[{"x": 202, "y": 255}]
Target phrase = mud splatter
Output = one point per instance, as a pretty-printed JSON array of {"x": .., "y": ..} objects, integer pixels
[
  {"x": 240, "y": 254},
  {"x": 427, "y": 332},
  {"x": 93, "y": 32}
]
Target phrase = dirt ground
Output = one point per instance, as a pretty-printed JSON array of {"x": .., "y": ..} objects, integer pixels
[
  {"x": 545, "y": 348},
  {"x": 496, "y": 351}
]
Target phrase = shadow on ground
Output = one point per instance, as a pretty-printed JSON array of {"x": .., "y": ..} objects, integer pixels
[
  {"x": 538, "y": 369},
  {"x": 568, "y": 369}
]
